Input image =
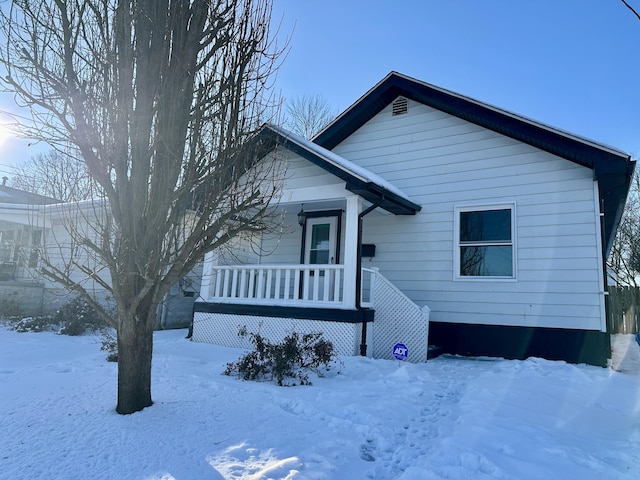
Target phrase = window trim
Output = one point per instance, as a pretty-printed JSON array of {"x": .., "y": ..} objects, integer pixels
[{"x": 458, "y": 209}]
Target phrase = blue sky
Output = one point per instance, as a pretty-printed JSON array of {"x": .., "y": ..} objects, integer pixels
[{"x": 574, "y": 64}]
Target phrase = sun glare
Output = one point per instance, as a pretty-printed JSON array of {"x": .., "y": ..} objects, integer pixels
[
  {"x": 9, "y": 124},
  {"x": 4, "y": 134}
]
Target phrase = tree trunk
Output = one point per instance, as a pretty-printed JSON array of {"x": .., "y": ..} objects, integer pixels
[{"x": 135, "y": 349}]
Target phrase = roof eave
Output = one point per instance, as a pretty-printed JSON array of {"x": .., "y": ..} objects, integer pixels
[
  {"x": 383, "y": 198},
  {"x": 612, "y": 168},
  {"x": 370, "y": 191}
]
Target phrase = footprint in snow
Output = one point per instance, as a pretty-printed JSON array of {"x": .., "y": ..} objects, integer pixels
[{"x": 367, "y": 450}]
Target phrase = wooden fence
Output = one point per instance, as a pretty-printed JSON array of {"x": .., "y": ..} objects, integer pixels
[{"x": 623, "y": 310}]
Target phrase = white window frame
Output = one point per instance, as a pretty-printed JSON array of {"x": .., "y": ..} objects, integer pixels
[{"x": 458, "y": 209}]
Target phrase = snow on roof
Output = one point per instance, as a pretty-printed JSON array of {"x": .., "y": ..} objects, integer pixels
[
  {"x": 340, "y": 162},
  {"x": 17, "y": 196}
]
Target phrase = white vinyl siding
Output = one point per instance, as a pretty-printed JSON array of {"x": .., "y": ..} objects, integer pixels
[
  {"x": 301, "y": 177},
  {"x": 441, "y": 161},
  {"x": 57, "y": 247},
  {"x": 283, "y": 247}
]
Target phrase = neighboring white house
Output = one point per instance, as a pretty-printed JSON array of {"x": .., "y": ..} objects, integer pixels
[
  {"x": 34, "y": 228},
  {"x": 21, "y": 238},
  {"x": 480, "y": 228}
]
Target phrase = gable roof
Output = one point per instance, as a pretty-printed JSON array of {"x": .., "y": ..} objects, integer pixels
[
  {"x": 368, "y": 185},
  {"x": 22, "y": 197},
  {"x": 612, "y": 168}
]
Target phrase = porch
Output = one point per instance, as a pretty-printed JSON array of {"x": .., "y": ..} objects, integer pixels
[
  {"x": 308, "y": 277},
  {"x": 276, "y": 300}
]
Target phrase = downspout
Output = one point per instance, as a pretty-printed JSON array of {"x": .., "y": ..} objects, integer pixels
[
  {"x": 605, "y": 279},
  {"x": 163, "y": 313},
  {"x": 363, "y": 344}
]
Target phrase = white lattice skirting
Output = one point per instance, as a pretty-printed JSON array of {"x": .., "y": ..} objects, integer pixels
[
  {"x": 222, "y": 329},
  {"x": 397, "y": 320}
]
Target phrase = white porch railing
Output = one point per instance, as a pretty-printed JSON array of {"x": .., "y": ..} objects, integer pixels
[
  {"x": 367, "y": 284},
  {"x": 277, "y": 284}
]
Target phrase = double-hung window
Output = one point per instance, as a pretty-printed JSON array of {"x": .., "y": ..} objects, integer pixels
[{"x": 485, "y": 242}]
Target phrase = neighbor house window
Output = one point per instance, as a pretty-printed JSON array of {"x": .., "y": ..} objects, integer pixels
[{"x": 484, "y": 242}]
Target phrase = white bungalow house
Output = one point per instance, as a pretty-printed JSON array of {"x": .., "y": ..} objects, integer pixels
[{"x": 423, "y": 217}]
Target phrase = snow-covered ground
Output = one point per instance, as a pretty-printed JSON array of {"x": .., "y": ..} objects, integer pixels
[{"x": 451, "y": 418}]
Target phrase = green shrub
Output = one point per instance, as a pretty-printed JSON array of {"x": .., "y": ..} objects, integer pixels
[
  {"x": 110, "y": 345},
  {"x": 77, "y": 316},
  {"x": 34, "y": 324},
  {"x": 287, "y": 362}
]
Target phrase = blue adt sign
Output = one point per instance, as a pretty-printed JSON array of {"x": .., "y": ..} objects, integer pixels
[{"x": 400, "y": 351}]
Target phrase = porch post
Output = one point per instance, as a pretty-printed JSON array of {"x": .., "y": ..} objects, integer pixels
[
  {"x": 354, "y": 206},
  {"x": 210, "y": 261}
]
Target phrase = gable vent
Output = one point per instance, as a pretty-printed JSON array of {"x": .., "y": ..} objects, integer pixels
[{"x": 399, "y": 106}]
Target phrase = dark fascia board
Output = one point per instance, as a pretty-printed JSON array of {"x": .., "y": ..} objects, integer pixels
[
  {"x": 370, "y": 191},
  {"x": 286, "y": 311},
  {"x": 613, "y": 169}
]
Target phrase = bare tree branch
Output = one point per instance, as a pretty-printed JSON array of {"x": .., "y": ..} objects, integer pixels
[
  {"x": 161, "y": 99},
  {"x": 635, "y": 12},
  {"x": 624, "y": 258},
  {"x": 55, "y": 174},
  {"x": 308, "y": 115}
]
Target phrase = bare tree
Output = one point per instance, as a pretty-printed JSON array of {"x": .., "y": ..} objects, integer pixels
[
  {"x": 308, "y": 115},
  {"x": 57, "y": 175},
  {"x": 161, "y": 98},
  {"x": 624, "y": 258}
]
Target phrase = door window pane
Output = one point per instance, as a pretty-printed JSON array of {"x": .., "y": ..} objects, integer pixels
[{"x": 320, "y": 244}]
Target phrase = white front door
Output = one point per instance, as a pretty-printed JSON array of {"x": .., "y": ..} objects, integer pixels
[
  {"x": 320, "y": 249},
  {"x": 320, "y": 241}
]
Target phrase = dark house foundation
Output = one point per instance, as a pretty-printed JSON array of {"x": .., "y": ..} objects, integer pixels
[{"x": 572, "y": 346}]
